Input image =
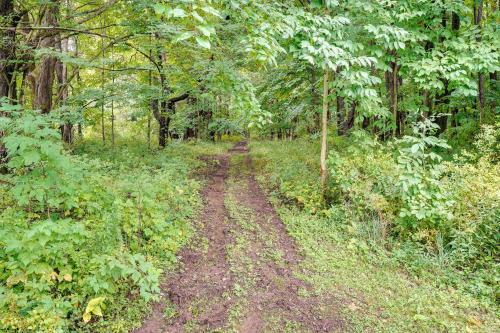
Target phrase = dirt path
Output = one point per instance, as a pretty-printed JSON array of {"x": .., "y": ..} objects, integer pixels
[{"x": 238, "y": 274}]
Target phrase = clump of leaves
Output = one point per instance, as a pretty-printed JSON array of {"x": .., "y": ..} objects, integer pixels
[
  {"x": 426, "y": 205},
  {"x": 77, "y": 234}
]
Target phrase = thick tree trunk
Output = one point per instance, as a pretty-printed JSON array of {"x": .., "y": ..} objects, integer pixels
[
  {"x": 7, "y": 49},
  {"x": 162, "y": 112},
  {"x": 158, "y": 109},
  {"x": 62, "y": 79},
  {"x": 163, "y": 130},
  {"x": 324, "y": 133},
  {"x": 45, "y": 79}
]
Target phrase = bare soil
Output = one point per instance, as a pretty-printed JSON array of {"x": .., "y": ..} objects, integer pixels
[{"x": 237, "y": 275}]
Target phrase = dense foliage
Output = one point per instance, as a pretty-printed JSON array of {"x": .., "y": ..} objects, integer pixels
[
  {"x": 80, "y": 233},
  {"x": 403, "y": 94},
  {"x": 404, "y": 197}
]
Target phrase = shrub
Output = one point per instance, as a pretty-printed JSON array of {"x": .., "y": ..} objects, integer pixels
[
  {"x": 433, "y": 215},
  {"x": 79, "y": 234}
]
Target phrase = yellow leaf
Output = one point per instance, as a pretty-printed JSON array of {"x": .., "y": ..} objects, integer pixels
[
  {"x": 86, "y": 317},
  {"x": 16, "y": 278},
  {"x": 68, "y": 277},
  {"x": 474, "y": 321},
  {"x": 93, "y": 307},
  {"x": 97, "y": 311}
]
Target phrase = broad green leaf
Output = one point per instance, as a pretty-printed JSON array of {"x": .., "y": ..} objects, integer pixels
[
  {"x": 184, "y": 36},
  {"x": 203, "y": 42}
]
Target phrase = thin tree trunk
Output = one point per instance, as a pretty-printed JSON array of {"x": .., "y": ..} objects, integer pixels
[
  {"x": 394, "y": 96},
  {"x": 324, "y": 133},
  {"x": 112, "y": 103},
  {"x": 315, "y": 101},
  {"x": 495, "y": 87},
  {"x": 494, "y": 76},
  {"x": 62, "y": 78},
  {"x": 103, "y": 133},
  {"x": 340, "y": 115},
  {"x": 478, "y": 17},
  {"x": 443, "y": 99},
  {"x": 455, "y": 27},
  {"x": 150, "y": 79},
  {"x": 78, "y": 79}
]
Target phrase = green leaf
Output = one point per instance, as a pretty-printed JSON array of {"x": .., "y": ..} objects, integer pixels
[
  {"x": 197, "y": 16},
  {"x": 177, "y": 12},
  {"x": 212, "y": 11},
  {"x": 160, "y": 8},
  {"x": 183, "y": 36},
  {"x": 31, "y": 157},
  {"x": 207, "y": 30},
  {"x": 203, "y": 42}
]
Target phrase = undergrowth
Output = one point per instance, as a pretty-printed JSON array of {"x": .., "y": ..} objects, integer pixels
[
  {"x": 399, "y": 202},
  {"x": 83, "y": 236}
]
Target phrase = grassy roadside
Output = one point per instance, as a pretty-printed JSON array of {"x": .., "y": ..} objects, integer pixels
[
  {"x": 132, "y": 211},
  {"x": 172, "y": 176},
  {"x": 380, "y": 295}
]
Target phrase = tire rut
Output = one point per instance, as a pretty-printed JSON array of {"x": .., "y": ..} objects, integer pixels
[
  {"x": 275, "y": 300},
  {"x": 198, "y": 288},
  {"x": 231, "y": 251}
]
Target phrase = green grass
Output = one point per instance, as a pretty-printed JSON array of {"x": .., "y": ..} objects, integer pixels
[{"x": 376, "y": 292}]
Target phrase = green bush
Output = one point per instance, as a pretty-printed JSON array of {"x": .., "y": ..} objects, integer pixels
[
  {"x": 433, "y": 215},
  {"x": 79, "y": 234}
]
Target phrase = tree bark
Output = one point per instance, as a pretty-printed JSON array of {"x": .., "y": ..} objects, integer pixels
[
  {"x": 340, "y": 115},
  {"x": 45, "y": 79},
  {"x": 103, "y": 132},
  {"x": 314, "y": 101},
  {"x": 455, "y": 26},
  {"x": 478, "y": 17},
  {"x": 162, "y": 140},
  {"x": 7, "y": 44},
  {"x": 112, "y": 105},
  {"x": 351, "y": 116},
  {"x": 62, "y": 78},
  {"x": 162, "y": 112},
  {"x": 7, "y": 48},
  {"x": 394, "y": 97},
  {"x": 444, "y": 98},
  {"x": 324, "y": 133}
]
